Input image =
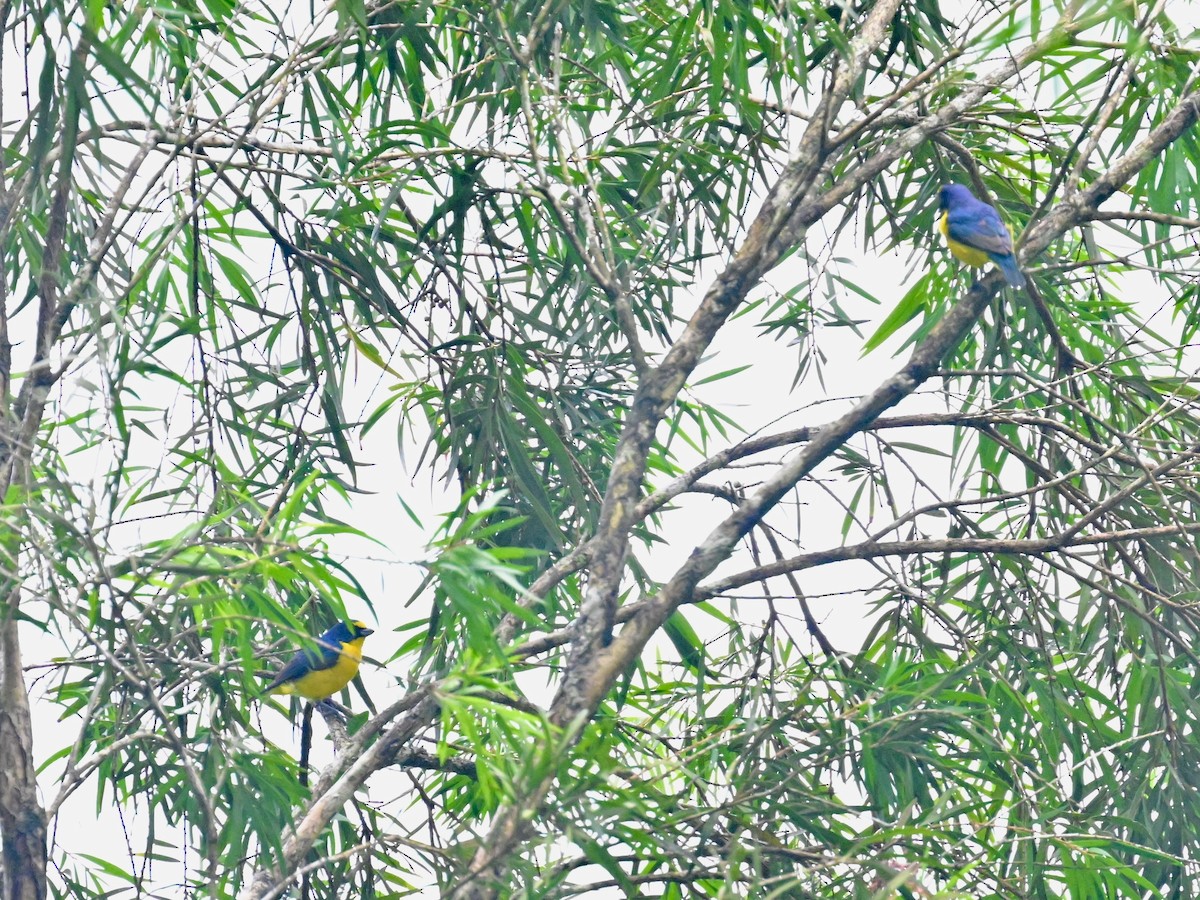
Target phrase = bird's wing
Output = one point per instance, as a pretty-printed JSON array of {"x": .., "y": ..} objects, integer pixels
[
  {"x": 981, "y": 228},
  {"x": 305, "y": 661}
]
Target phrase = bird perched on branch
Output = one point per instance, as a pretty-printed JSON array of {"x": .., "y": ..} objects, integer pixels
[
  {"x": 975, "y": 233},
  {"x": 321, "y": 672}
]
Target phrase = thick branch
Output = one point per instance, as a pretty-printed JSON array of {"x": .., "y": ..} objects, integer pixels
[
  {"x": 335, "y": 787},
  {"x": 774, "y": 231}
]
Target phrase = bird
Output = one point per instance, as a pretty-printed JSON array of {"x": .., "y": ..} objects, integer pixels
[
  {"x": 975, "y": 233},
  {"x": 320, "y": 673}
]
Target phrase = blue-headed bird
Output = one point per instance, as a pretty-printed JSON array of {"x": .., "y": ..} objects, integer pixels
[
  {"x": 321, "y": 672},
  {"x": 975, "y": 232}
]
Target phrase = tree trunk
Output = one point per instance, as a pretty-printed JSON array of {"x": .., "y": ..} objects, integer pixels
[{"x": 22, "y": 819}]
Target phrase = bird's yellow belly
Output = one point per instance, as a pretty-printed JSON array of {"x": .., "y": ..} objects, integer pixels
[
  {"x": 969, "y": 255},
  {"x": 324, "y": 683}
]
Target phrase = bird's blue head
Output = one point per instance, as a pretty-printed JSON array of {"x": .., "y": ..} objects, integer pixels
[
  {"x": 341, "y": 633},
  {"x": 953, "y": 193}
]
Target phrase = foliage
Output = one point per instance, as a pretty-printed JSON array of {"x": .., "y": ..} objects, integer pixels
[{"x": 949, "y": 652}]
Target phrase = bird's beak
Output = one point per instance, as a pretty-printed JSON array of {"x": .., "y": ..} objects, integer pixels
[{"x": 363, "y": 632}]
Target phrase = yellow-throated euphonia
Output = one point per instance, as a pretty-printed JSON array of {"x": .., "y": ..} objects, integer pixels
[
  {"x": 975, "y": 233},
  {"x": 322, "y": 672}
]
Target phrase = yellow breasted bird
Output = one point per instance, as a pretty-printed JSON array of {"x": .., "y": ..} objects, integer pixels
[
  {"x": 320, "y": 673},
  {"x": 975, "y": 233}
]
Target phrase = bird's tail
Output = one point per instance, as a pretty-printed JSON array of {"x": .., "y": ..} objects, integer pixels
[{"x": 1008, "y": 265}]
